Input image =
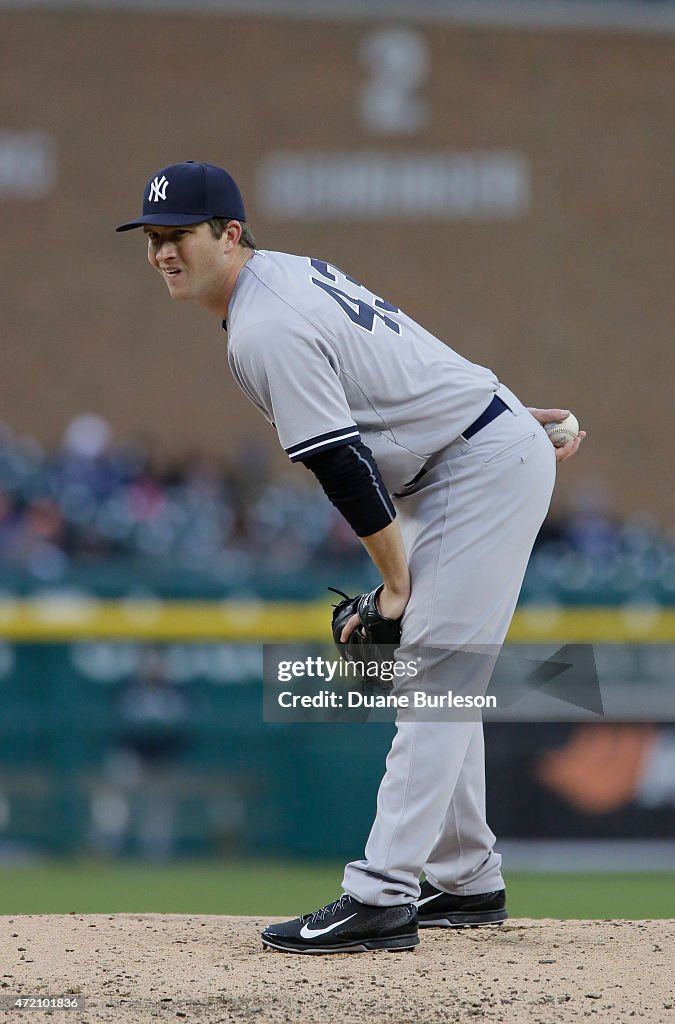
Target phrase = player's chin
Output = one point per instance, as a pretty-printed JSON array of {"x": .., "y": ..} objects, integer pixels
[{"x": 176, "y": 289}]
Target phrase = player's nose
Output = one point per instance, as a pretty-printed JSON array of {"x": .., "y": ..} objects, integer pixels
[{"x": 166, "y": 250}]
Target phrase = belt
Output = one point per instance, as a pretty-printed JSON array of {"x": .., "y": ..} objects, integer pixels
[{"x": 494, "y": 409}]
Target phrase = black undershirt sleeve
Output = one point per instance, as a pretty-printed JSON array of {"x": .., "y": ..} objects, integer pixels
[{"x": 351, "y": 479}]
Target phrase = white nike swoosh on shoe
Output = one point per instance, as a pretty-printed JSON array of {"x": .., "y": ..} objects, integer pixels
[
  {"x": 426, "y": 899},
  {"x": 310, "y": 933}
]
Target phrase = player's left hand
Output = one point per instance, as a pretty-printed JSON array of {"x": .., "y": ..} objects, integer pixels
[
  {"x": 545, "y": 416},
  {"x": 375, "y": 637},
  {"x": 351, "y": 624},
  {"x": 391, "y": 606}
]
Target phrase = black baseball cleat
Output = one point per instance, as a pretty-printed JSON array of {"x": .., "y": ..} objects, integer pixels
[
  {"x": 438, "y": 909},
  {"x": 346, "y": 926}
]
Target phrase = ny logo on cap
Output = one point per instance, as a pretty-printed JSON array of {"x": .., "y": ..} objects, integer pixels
[{"x": 158, "y": 189}]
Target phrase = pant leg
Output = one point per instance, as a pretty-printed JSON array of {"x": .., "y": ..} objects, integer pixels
[
  {"x": 463, "y": 859},
  {"x": 468, "y": 532}
]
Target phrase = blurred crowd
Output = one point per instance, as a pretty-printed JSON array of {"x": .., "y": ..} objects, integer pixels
[{"x": 99, "y": 500}]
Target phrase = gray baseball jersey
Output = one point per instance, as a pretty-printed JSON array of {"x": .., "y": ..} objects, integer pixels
[{"x": 325, "y": 361}]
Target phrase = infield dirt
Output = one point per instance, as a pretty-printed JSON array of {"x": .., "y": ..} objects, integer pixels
[{"x": 148, "y": 967}]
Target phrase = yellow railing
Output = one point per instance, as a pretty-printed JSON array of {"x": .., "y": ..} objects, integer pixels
[{"x": 42, "y": 620}]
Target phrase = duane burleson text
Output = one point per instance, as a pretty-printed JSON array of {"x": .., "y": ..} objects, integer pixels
[{"x": 420, "y": 699}]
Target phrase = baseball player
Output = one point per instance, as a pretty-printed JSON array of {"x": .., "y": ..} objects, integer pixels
[{"x": 445, "y": 477}]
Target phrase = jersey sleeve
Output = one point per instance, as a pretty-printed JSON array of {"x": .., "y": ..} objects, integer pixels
[{"x": 293, "y": 377}]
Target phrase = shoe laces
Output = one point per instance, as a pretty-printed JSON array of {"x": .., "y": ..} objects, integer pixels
[{"x": 330, "y": 908}]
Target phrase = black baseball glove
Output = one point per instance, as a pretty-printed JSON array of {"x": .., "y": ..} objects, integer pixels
[{"x": 375, "y": 639}]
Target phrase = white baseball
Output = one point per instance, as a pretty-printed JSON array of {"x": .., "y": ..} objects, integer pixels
[{"x": 563, "y": 432}]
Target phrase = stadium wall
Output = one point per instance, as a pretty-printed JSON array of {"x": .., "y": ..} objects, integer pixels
[{"x": 506, "y": 187}]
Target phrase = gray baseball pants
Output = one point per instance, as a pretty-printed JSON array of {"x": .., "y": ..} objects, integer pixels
[{"x": 468, "y": 530}]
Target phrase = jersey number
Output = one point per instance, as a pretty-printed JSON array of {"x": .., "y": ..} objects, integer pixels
[{"x": 359, "y": 311}]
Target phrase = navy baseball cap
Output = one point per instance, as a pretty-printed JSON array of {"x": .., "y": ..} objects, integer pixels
[{"x": 189, "y": 193}]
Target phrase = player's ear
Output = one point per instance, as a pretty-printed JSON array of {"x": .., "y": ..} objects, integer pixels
[{"x": 232, "y": 234}]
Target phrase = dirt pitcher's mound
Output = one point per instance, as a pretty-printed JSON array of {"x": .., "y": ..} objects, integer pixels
[{"x": 147, "y": 967}]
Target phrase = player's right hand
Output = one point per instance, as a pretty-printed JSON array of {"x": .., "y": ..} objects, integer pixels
[
  {"x": 544, "y": 416},
  {"x": 566, "y": 451}
]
